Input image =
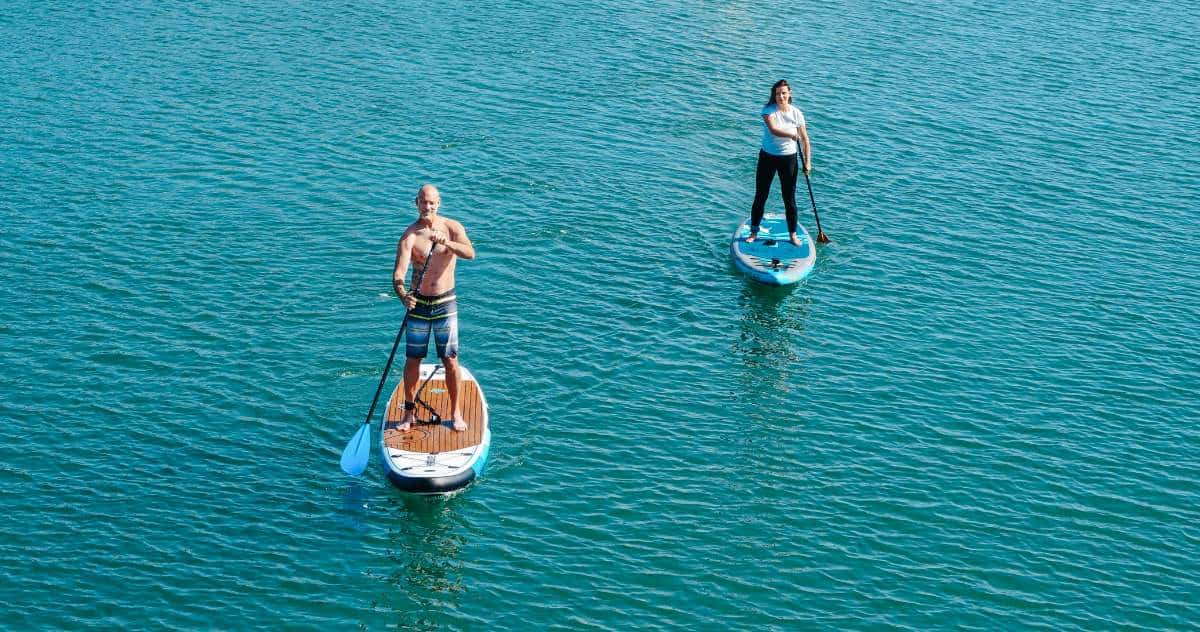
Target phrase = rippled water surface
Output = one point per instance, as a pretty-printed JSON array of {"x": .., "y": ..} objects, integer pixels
[{"x": 980, "y": 411}]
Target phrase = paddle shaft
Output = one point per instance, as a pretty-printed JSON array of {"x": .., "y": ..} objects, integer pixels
[
  {"x": 399, "y": 334},
  {"x": 812, "y": 198}
]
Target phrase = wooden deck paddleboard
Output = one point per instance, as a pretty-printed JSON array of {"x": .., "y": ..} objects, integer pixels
[
  {"x": 772, "y": 258},
  {"x": 434, "y": 458}
]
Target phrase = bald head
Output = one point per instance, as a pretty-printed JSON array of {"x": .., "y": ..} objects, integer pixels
[
  {"x": 428, "y": 200},
  {"x": 428, "y": 189}
]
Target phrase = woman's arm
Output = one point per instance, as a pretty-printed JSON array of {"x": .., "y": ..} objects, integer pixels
[
  {"x": 802, "y": 138},
  {"x": 777, "y": 130}
]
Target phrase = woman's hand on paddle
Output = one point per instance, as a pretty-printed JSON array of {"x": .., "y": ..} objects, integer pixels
[{"x": 807, "y": 168}]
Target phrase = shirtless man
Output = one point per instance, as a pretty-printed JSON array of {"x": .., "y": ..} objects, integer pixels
[{"x": 431, "y": 307}]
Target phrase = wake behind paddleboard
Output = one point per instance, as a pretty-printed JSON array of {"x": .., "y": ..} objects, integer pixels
[
  {"x": 432, "y": 458},
  {"x": 772, "y": 258}
]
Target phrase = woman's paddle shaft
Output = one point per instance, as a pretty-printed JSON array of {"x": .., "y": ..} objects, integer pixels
[
  {"x": 358, "y": 452},
  {"x": 821, "y": 238}
]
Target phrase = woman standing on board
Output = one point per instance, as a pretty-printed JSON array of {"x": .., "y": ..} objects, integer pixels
[{"x": 783, "y": 130}]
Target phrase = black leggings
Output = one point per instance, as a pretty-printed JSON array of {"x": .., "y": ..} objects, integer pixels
[{"x": 788, "y": 168}]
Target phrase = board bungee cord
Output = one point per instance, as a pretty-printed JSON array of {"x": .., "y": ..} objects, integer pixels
[{"x": 436, "y": 418}]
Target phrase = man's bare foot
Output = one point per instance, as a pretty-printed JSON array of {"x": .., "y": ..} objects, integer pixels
[
  {"x": 795, "y": 240},
  {"x": 752, "y": 237},
  {"x": 460, "y": 425},
  {"x": 406, "y": 421}
]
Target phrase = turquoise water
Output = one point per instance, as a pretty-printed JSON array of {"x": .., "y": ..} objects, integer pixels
[{"x": 978, "y": 412}]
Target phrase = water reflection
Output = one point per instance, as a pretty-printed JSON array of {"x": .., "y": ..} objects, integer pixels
[
  {"x": 772, "y": 338},
  {"x": 423, "y": 574},
  {"x": 356, "y": 503}
]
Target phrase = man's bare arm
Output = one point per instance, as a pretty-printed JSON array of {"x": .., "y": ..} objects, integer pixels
[
  {"x": 458, "y": 242},
  {"x": 403, "y": 255}
]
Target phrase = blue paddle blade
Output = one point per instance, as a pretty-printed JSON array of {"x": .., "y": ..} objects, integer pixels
[{"x": 357, "y": 452}]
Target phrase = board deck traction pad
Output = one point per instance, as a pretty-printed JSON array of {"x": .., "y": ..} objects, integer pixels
[
  {"x": 771, "y": 257},
  {"x": 436, "y": 452}
]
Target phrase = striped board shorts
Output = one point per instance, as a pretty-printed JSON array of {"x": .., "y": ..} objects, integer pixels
[{"x": 436, "y": 315}]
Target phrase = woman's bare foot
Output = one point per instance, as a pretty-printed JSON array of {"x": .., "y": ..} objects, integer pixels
[
  {"x": 795, "y": 240},
  {"x": 752, "y": 237},
  {"x": 460, "y": 425}
]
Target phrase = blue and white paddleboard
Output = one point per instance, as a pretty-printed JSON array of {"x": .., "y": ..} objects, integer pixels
[
  {"x": 772, "y": 258},
  {"x": 430, "y": 457}
]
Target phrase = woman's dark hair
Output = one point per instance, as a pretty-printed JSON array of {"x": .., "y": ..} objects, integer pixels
[{"x": 778, "y": 84}]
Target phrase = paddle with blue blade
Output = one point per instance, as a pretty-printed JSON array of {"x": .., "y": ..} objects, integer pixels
[{"x": 357, "y": 453}]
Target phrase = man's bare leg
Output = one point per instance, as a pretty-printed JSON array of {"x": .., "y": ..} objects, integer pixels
[
  {"x": 453, "y": 379},
  {"x": 412, "y": 378}
]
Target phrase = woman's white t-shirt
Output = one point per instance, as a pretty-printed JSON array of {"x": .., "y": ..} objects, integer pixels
[{"x": 788, "y": 121}]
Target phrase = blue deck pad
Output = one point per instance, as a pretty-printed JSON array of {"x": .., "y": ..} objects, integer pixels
[
  {"x": 772, "y": 258},
  {"x": 772, "y": 241}
]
